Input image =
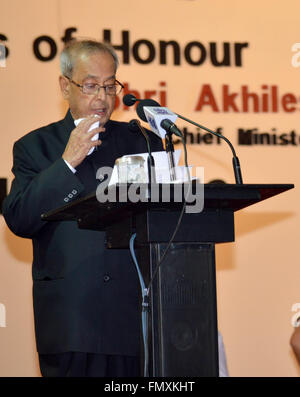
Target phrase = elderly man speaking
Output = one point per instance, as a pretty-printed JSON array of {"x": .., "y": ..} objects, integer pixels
[{"x": 85, "y": 296}]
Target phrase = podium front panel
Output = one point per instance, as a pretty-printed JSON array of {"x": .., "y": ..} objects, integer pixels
[{"x": 183, "y": 311}]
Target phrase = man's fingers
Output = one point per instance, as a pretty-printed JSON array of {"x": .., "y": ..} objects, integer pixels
[
  {"x": 95, "y": 143},
  {"x": 95, "y": 131},
  {"x": 87, "y": 122}
]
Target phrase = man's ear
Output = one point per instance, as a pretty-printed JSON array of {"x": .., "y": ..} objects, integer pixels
[{"x": 64, "y": 86}]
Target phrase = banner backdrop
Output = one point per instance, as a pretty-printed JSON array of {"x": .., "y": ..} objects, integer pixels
[{"x": 231, "y": 66}]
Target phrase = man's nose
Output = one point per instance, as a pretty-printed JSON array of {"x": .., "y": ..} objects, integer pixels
[{"x": 101, "y": 93}]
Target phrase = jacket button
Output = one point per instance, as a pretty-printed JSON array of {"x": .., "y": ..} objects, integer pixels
[{"x": 106, "y": 278}]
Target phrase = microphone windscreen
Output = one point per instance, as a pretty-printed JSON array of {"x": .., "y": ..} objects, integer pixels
[
  {"x": 140, "y": 107},
  {"x": 133, "y": 126},
  {"x": 167, "y": 124},
  {"x": 129, "y": 99}
]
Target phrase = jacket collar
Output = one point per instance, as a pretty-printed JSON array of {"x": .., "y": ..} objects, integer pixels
[{"x": 68, "y": 122}]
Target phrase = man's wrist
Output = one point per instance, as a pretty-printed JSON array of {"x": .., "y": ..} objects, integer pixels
[{"x": 69, "y": 165}]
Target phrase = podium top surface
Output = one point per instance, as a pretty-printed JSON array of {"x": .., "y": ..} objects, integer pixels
[{"x": 230, "y": 197}]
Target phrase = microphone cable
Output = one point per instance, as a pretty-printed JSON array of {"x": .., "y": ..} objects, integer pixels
[
  {"x": 145, "y": 308},
  {"x": 129, "y": 100},
  {"x": 146, "y": 290}
]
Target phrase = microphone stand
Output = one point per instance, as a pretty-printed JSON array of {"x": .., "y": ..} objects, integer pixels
[
  {"x": 235, "y": 159},
  {"x": 170, "y": 153},
  {"x": 150, "y": 158}
]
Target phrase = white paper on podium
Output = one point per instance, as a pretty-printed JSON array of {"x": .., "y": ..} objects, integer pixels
[{"x": 162, "y": 171}]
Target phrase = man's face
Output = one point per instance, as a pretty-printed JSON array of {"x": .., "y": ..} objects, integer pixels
[{"x": 96, "y": 68}]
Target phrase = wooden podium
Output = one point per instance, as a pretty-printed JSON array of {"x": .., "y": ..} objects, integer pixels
[{"x": 183, "y": 310}]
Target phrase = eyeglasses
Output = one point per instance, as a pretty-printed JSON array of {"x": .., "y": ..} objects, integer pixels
[{"x": 93, "y": 88}]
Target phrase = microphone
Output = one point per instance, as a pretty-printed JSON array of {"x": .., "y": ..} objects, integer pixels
[
  {"x": 143, "y": 103},
  {"x": 171, "y": 127},
  {"x": 129, "y": 99},
  {"x": 156, "y": 115},
  {"x": 135, "y": 126}
]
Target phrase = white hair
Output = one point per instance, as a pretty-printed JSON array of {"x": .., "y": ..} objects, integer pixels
[{"x": 75, "y": 48}]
